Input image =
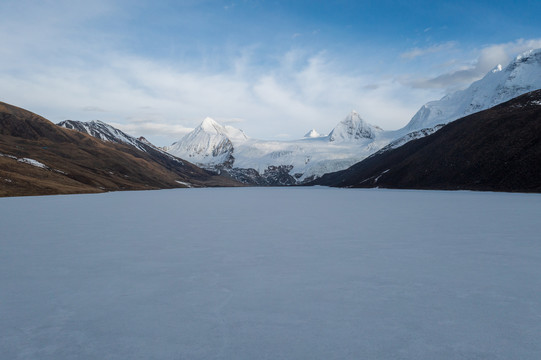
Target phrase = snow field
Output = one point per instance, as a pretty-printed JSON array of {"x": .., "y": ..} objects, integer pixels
[{"x": 271, "y": 273}]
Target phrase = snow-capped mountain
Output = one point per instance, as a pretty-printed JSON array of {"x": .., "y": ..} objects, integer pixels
[
  {"x": 106, "y": 132},
  {"x": 353, "y": 127},
  {"x": 312, "y": 134},
  {"x": 224, "y": 148},
  {"x": 210, "y": 144},
  {"x": 103, "y": 131},
  {"x": 501, "y": 84}
]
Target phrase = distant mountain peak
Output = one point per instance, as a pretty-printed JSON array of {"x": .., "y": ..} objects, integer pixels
[
  {"x": 353, "y": 127},
  {"x": 211, "y": 125},
  {"x": 530, "y": 55},
  {"x": 312, "y": 134},
  {"x": 209, "y": 144},
  {"x": 497, "y": 68}
]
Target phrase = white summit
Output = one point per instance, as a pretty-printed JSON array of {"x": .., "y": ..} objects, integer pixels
[{"x": 312, "y": 134}]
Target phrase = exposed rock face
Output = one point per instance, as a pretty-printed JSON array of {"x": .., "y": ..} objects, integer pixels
[{"x": 272, "y": 176}]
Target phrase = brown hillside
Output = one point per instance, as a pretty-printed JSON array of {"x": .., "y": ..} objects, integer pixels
[{"x": 80, "y": 163}]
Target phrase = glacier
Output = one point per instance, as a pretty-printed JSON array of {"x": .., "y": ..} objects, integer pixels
[{"x": 271, "y": 273}]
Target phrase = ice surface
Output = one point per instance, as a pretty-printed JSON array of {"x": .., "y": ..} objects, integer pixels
[{"x": 271, "y": 273}]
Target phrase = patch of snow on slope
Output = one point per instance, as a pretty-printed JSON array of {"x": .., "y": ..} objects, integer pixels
[
  {"x": 26, "y": 161},
  {"x": 8, "y": 156},
  {"x": 183, "y": 183},
  {"x": 33, "y": 163}
]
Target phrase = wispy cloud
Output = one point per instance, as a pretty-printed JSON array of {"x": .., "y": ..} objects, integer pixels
[
  {"x": 149, "y": 128},
  {"x": 487, "y": 58},
  {"x": 93, "y": 109},
  {"x": 416, "y": 52},
  {"x": 149, "y": 97}
]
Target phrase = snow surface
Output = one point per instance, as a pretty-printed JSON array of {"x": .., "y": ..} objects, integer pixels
[{"x": 271, "y": 273}]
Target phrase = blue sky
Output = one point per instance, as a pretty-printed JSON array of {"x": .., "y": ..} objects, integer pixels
[{"x": 276, "y": 69}]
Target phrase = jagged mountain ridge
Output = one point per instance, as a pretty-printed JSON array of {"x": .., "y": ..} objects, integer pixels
[{"x": 106, "y": 132}]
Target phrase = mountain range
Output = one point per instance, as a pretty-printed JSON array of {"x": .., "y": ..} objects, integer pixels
[
  {"x": 485, "y": 137},
  {"x": 227, "y": 150}
]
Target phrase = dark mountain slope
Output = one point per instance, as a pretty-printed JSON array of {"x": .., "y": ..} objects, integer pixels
[
  {"x": 498, "y": 149},
  {"x": 73, "y": 162}
]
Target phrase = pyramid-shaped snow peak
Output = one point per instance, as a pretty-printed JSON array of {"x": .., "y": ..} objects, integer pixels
[
  {"x": 210, "y": 143},
  {"x": 522, "y": 75},
  {"x": 353, "y": 127},
  {"x": 312, "y": 134},
  {"x": 211, "y": 126}
]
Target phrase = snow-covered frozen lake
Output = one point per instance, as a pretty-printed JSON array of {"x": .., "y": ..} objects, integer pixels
[{"x": 271, "y": 273}]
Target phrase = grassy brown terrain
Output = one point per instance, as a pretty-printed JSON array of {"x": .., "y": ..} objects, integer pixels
[
  {"x": 79, "y": 163},
  {"x": 498, "y": 149}
]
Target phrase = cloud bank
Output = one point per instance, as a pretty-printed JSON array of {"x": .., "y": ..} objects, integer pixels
[
  {"x": 67, "y": 60},
  {"x": 487, "y": 58}
]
